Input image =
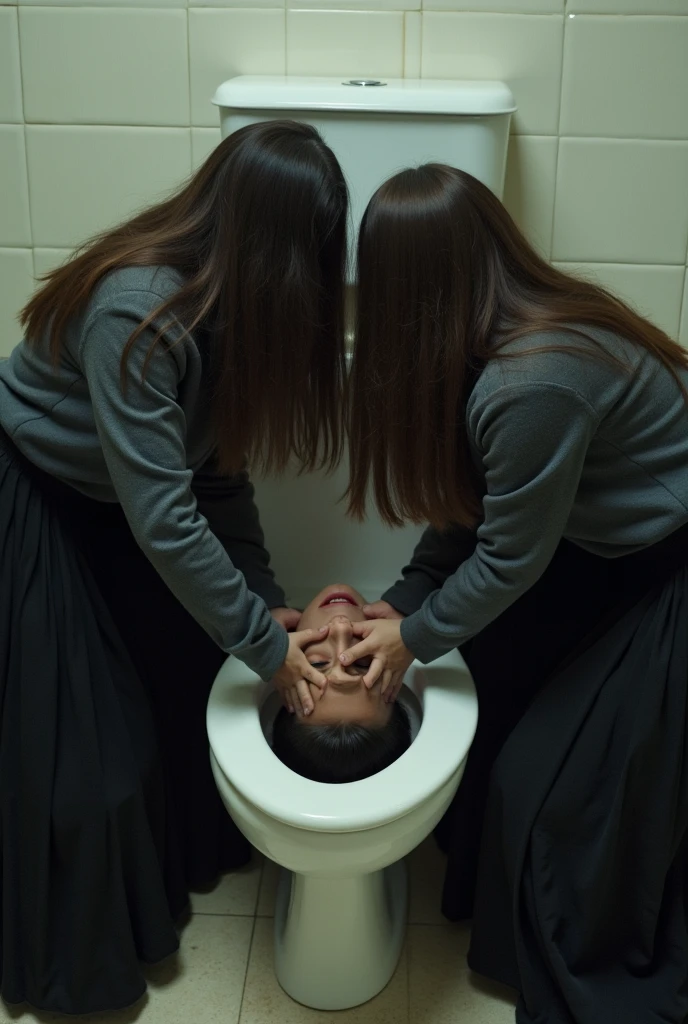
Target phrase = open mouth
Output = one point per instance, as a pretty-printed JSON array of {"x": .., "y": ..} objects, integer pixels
[{"x": 338, "y": 599}]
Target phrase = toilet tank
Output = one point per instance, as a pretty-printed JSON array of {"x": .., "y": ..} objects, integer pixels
[
  {"x": 377, "y": 127},
  {"x": 375, "y": 130}
]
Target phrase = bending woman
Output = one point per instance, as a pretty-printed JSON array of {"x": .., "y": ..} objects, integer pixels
[
  {"x": 541, "y": 427},
  {"x": 205, "y": 331}
]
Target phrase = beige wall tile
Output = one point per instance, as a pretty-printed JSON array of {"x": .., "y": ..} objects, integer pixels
[
  {"x": 529, "y": 187},
  {"x": 621, "y": 201},
  {"x": 204, "y": 982},
  {"x": 45, "y": 260},
  {"x": 348, "y": 43},
  {"x": 235, "y": 893},
  {"x": 82, "y": 180},
  {"x": 223, "y": 44},
  {"x": 16, "y": 285},
  {"x": 247, "y": 4},
  {"x": 497, "y": 6},
  {"x": 101, "y": 4},
  {"x": 355, "y": 5},
  {"x": 85, "y": 66},
  {"x": 15, "y": 227},
  {"x": 10, "y": 75},
  {"x": 654, "y": 291},
  {"x": 525, "y": 51},
  {"x": 413, "y": 34},
  {"x": 442, "y": 990},
  {"x": 203, "y": 142},
  {"x": 625, "y": 77},
  {"x": 265, "y": 1003},
  {"x": 683, "y": 330},
  {"x": 627, "y": 6}
]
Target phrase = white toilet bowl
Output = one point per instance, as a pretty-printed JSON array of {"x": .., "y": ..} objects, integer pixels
[{"x": 340, "y": 917}]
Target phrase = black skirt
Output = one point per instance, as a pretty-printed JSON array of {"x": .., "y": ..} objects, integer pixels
[
  {"x": 108, "y": 811},
  {"x": 573, "y": 812}
]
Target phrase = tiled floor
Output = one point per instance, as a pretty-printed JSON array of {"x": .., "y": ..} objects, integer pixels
[{"x": 224, "y": 975}]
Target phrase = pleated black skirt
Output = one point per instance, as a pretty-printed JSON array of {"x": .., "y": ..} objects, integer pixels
[
  {"x": 568, "y": 840},
  {"x": 108, "y": 810}
]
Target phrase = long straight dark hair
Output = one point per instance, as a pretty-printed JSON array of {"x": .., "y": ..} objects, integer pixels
[
  {"x": 445, "y": 280},
  {"x": 258, "y": 235}
]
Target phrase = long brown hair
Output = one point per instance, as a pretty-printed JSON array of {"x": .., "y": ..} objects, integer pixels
[
  {"x": 258, "y": 235},
  {"x": 445, "y": 280}
]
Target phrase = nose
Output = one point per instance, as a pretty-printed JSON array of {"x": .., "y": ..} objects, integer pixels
[{"x": 341, "y": 635}]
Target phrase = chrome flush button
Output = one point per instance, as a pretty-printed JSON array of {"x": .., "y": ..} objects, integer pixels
[{"x": 364, "y": 81}]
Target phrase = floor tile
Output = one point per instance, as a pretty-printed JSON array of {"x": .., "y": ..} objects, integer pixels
[
  {"x": 441, "y": 988},
  {"x": 266, "y": 1003},
  {"x": 235, "y": 893},
  {"x": 202, "y": 984}
]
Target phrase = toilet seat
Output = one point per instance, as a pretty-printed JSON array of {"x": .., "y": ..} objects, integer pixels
[{"x": 450, "y": 712}]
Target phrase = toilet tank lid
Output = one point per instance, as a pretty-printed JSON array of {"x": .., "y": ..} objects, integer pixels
[{"x": 394, "y": 95}]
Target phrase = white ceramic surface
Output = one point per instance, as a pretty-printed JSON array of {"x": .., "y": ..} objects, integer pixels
[
  {"x": 340, "y": 918},
  {"x": 376, "y": 131}
]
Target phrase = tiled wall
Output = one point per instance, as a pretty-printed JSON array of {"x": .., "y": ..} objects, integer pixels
[{"x": 106, "y": 104}]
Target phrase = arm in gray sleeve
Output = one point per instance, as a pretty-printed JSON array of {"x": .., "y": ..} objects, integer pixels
[
  {"x": 533, "y": 439},
  {"x": 142, "y": 433},
  {"x": 437, "y": 555},
  {"x": 227, "y": 503}
]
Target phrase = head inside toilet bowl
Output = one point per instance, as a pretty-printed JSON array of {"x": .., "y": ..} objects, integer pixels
[{"x": 353, "y": 732}]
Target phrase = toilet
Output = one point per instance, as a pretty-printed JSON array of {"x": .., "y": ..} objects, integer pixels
[{"x": 340, "y": 916}]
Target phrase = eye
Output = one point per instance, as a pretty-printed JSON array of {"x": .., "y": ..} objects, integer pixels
[
  {"x": 320, "y": 664},
  {"x": 363, "y": 663}
]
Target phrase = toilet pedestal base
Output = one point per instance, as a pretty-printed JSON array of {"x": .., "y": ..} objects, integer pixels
[{"x": 338, "y": 940}]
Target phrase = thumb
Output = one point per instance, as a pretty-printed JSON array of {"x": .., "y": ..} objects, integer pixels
[{"x": 307, "y": 636}]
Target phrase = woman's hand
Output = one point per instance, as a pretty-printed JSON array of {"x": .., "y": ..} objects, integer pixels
[
  {"x": 287, "y": 617},
  {"x": 292, "y": 679},
  {"x": 381, "y": 610},
  {"x": 381, "y": 641}
]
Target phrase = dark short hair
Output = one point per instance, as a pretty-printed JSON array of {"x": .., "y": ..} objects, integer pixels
[{"x": 346, "y": 752}]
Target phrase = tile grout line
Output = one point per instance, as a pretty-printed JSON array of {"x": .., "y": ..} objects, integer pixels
[
  {"x": 556, "y": 161},
  {"x": 188, "y": 79},
  {"x": 554, "y": 200},
  {"x": 101, "y": 125},
  {"x": 26, "y": 154},
  {"x": 683, "y": 308},
  {"x": 248, "y": 964}
]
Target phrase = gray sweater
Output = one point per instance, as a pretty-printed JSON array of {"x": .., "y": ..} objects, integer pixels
[
  {"x": 568, "y": 447},
  {"x": 151, "y": 449}
]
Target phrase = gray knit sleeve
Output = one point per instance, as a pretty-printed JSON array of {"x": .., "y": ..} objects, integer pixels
[
  {"x": 227, "y": 502},
  {"x": 437, "y": 555},
  {"x": 142, "y": 433},
  {"x": 532, "y": 439}
]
